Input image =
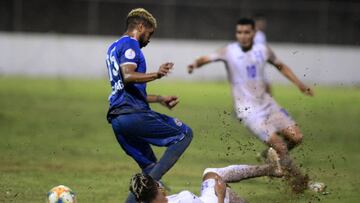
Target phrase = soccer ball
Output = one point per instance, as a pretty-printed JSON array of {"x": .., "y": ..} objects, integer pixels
[
  {"x": 61, "y": 194},
  {"x": 317, "y": 186}
]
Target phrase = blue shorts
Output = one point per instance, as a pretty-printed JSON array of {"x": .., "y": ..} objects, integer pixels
[{"x": 136, "y": 131}]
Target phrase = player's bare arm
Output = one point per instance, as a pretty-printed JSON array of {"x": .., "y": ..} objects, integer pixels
[
  {"x": 198, "y": 63},
  {"x": 203, "y": 60},
  {"x": 220, "y": 190},
  {"x": 167, "y": 101},
  {"x": 131, "y": 76},
  {"x": 289, "y": 74},
  {"x": 220, "y": 186}
]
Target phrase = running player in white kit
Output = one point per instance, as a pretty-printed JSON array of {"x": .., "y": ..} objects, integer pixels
[
  {"x": 245, "y": 62},
  {"x": 213, "y": 188}
]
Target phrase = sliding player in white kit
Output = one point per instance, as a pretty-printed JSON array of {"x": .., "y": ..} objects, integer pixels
[
  {"x": 245, "y": 62},
  {"x": 213, "y": 188}
]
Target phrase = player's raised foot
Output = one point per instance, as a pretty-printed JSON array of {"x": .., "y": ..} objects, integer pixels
[
  {"x": 316, "y": 186},
  {"x": 274, "y": 160}
]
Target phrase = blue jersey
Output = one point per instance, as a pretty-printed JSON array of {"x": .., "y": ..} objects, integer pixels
[{"x": 131, "y": 97}]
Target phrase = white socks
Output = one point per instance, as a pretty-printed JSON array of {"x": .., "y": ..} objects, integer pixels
[{"x": 236, "y": 173}]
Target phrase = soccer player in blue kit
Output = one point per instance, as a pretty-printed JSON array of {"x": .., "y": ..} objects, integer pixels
[{"x": 135, "y": 125}]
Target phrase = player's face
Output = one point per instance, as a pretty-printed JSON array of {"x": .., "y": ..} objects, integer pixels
[
  {"x": 245, "y": 35},
  {"x": 145, "y": 36}
]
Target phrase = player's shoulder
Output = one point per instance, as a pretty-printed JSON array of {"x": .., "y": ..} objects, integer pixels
[
  {"x": 127, "y": 42},
  {"x": 232, "y": 45}
]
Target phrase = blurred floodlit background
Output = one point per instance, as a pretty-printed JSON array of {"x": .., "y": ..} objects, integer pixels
[
  {"x": 318, "y": 39},
  {"x": 54, "y": 89}
]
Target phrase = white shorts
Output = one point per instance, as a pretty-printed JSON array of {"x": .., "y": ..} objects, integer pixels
[
  {"x": 207, "y": 192},
  {"x": 265, "y": 121}
]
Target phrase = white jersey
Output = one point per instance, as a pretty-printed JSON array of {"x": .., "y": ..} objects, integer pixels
[
  {"x": 260, "y": 37},
  {"x": 253, "y": 105},
  {"x": 184, "y": 197},
  {"x": 246, "y": 71},
  {"x": 207, "y": 195}
]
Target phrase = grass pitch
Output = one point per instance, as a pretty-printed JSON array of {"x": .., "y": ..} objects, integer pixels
[{"x": 53, "y": 131}]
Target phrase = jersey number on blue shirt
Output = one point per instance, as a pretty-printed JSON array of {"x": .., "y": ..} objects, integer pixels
[{"x": 113, "y": 70}]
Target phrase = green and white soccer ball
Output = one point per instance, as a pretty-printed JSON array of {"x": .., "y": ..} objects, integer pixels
[{"x": 61, "y": 194}]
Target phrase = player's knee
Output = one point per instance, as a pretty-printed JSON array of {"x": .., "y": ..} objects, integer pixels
[
  {"x": 279, "y": 147},
  {"x": 294, "y": 135},
  {"x": 188, "y": 136},
  {"x": 277, "y": 143},
  {"x": 297, "y": 138},
  {"x": 189, "y": 133}
]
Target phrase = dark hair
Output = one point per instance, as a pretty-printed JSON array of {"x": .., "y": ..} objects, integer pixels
[
  {"x": 246, "y": 21},
  {"x": 140, "y": 15},
  {"x": 144, "y": 187}
]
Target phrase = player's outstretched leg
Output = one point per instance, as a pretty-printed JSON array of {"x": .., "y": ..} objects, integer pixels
[
  {"x": 135, "y": 132},
  {"x": 236, "y": 173},
  {"x": 171, "y": 155},
  {"x": 298, "y": 181},
  {"x": 293, "y": 138}
]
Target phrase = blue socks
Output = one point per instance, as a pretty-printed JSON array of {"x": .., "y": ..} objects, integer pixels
[{"x": 171, "y": 155}]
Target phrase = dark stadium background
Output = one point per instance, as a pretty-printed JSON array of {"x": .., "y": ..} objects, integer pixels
[{"x": 303, "y": 21}]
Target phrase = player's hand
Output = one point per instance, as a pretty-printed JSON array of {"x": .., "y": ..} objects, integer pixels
[
  {"x": 165, "y": 69},
  {"x": 169, "y": 101},
  {"x": 191, "y": 67},
  {"x": 220, "y": 188},
  {"x": 306, "y": 90}
]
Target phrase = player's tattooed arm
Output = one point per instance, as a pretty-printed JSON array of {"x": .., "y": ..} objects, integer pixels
[
  {"x": 217, "y": 56},
  {"x": 167, "y": 101},
  {"x": 131, "y": 76},
  {"x": 288, "y": 73}
]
